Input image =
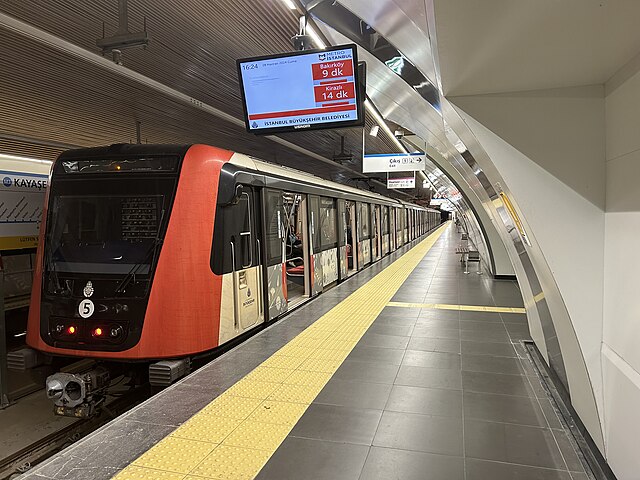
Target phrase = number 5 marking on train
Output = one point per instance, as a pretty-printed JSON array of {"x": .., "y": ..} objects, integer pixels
[{"x": 86, "y": 308}]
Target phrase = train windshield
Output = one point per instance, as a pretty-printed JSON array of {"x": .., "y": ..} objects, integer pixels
[{"x": 104, "y": 234}]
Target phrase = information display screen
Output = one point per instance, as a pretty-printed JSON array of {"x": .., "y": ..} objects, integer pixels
[{"x": 304, "y": 90}]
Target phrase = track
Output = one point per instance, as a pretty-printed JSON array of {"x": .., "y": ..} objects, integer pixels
[{"x": 35, "y": 453}]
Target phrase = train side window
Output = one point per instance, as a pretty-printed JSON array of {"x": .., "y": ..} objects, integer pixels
[
  {"x": 385, "y": 220},
  {"x": 364, "y": 221},
  {"x": 328, "y": 231},
  {"x": 314, "y": 222},
  {"x": 234, "y": 236},
  {"x": 275, "y": 230},
  {"x": 245, "y": 237}
]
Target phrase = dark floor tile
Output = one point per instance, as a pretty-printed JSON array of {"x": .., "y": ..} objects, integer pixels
[
  {"x": 551, "y": 413},
  {"x": 488, "y": 317},
  {"x": 487, "y": 327},
  {"x": 404, "y": 312},
  {"x": 476, "y": 300},
  {"x": 488, "y": 348},
  {"x": 422, "y": 433},
  {"x": 434, "y": 344},
  {"x": 418, "y": 358},
  {"x": 433, "y": 322},
  {"x": 389, "y": 463},
  {"x": 537, "y": 388},
  {"x": 486, "y": 470},
  {"x": 400, "y": 330},
  {"x": 579, "y": 476},
  {"x": 364, "y": 353},
  {"x": 371, "y": 372},
  {"x": 354, "y": 394},
  {"x": 337, "y": 424},
  {"x": 487, "y": 363},
  {"x": 436, "y": 332},
  {"x": 496, "y": 383},
  {"x": 439, "y": 314},
  {"x": 509, "y": 443},
  {"x": 395, "y": 320},
  {"x": 484, "y": 336},
  {"x": 427, "y": 401},
  {"x": 515, "y": 318},
  {"x": 504, "y": 408},
  {"x": 568, "y": 449},
  {"x": 429, "y": 377},
  {"x": 508, "y": 301},
  {"x": 518, "y": 332},
  {"x": 408, "y": 297},
  {"x": 385, "y": 341},
  {"x": 447, "y": 299},
  {"x": 299, "y": 458}
]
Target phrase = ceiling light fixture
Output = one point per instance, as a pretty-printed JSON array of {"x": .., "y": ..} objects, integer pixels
[
  {"x": 290, "y": 5},
  {"x": 17, "y": 158},
  {"x": 374, "y": 130}
]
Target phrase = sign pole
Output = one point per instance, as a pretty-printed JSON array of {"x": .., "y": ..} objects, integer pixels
[{"x": 4, "y": 387}]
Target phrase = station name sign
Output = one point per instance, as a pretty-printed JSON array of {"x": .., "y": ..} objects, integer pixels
[{"x": 394, "y": 162}]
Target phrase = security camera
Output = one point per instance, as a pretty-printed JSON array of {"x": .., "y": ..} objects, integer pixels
[
  {"x": 302, "y": 42},
  {"x": 398, "y": 134}
]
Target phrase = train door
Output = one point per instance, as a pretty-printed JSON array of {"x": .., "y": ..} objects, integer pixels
[
  {"x": 411, "y": 225},
  {"x": 243, "y": 285},
  {"x": 405, "y": 224},
  {"x": 384, "y": 229},
  {"x": 374, "y": 234},
  {"x": 343, "y": 241},
  {"x": 392, "y": 229},
  {"x": 328, "y": 230},
  {"x": 376, "y": 226},
  {"x": 352, "y": 238},
  {"x": 364, "y": 234},
  {"x": 399, "y": 227},
  {"x": 315, "y": 259},
  {"x": 284, "y": 251}
]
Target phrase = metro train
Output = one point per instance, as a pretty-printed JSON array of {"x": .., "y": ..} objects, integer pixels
[{"x": 151, "y": 255}]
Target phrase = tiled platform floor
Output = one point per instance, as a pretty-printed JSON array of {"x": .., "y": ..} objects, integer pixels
[
  {"x": 426, "y": 393},
  {"x": 434, "y": 394}
]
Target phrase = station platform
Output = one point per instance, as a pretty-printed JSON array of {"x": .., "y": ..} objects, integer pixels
[{"x": 409, "y": 370}]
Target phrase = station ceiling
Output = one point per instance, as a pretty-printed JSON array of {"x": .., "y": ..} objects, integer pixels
[{"x": 52, "y": 99}]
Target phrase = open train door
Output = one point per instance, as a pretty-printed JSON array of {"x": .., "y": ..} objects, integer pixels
[
  {"x": 315, "y": 259},
  {"x": 343, "y": 244}
]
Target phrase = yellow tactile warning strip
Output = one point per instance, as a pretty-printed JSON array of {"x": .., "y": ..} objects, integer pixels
[
  {"x": 234, "y": 436},
  {"x": 468, "y": 308}
]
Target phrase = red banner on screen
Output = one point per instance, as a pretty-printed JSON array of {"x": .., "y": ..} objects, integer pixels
[
  {"x": 335, "y": 69},
  {"x": 334, "y": 91}
]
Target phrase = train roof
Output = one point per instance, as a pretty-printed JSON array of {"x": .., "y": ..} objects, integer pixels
[{"x": 238, "y": 159}]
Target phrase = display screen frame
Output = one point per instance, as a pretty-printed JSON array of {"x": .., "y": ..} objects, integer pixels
[{"x": 360, "y": 93}]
